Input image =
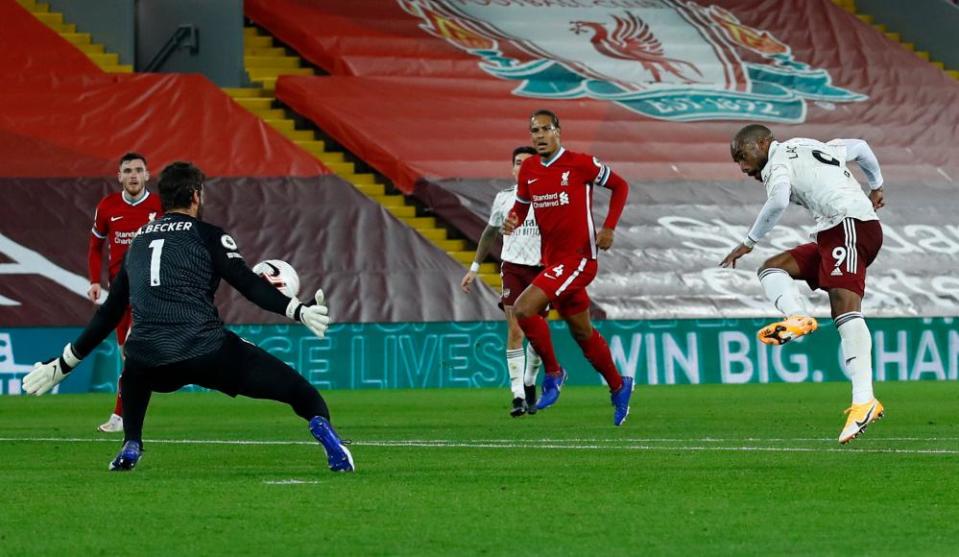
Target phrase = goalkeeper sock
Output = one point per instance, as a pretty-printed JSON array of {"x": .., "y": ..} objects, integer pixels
[
  {"x": 781, "y": 291},
  {"x": 537, "y": 331},
  {"x": 514, "y": 364},
  {"x": 533, "y": 361},
  {"x": 597, "y": 352},
  {"x": 857, "y": 354}
]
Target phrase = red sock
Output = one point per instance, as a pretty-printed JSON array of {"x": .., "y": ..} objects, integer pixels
[
  {"x": 118, "y": 407},
  {"x": 537, "y": 331},
  {"x": 597, "y": 352}
]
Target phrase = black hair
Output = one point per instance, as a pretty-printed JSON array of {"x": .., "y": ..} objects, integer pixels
[
  {"x": 522, "y": 149},
  {"x": 132, "y": 156},
  {"x": 177, "y": 183},
  {"x": 751, "y": 134},
  {"x": 543, "y": 112}
]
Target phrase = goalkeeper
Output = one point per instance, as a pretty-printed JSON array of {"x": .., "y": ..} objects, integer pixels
[{"x": 169, "y": 276}]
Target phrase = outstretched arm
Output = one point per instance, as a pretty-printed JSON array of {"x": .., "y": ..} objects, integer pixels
[
  {"x": 768, "y": 217},
  {"x": 107, "y": 316},
  {"x": 230, "y": 265},
  {"x": 45, "y": 376},
  {"x": 770, "y": 214},
  {"x": 228, "y": 262}
]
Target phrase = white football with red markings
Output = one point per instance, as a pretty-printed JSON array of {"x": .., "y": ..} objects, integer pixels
[{"x": 280, "y": 274}]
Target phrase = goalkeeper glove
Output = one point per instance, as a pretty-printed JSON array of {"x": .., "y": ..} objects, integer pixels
[
  {"x": 47, "y": 375},
  {"x": 314, "y": 316}
]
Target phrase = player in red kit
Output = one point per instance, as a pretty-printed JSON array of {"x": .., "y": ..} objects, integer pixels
[
  {"x": 118, "y": 217},
  {"x": 559, "y": 186}
]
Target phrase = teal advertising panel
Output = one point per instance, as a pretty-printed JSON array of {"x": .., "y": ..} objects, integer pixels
[{"x": 471, "y": 354}]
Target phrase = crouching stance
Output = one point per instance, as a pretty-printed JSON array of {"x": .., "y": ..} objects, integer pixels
[{"x": 169, "y": 276}]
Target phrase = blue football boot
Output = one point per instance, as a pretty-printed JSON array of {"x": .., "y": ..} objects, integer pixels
[
  {"x": 128, "y": 457},
  {"x": 337, "y": 454},
  {"x": 620, "y": 400},
  {"x": 552, "y": 385}
]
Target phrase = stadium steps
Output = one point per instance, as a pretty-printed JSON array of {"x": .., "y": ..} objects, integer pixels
[
  {"x": 265, "y": 61},
  {"x": 105, "y": 60},
  {"x": 850, "y": 6}
]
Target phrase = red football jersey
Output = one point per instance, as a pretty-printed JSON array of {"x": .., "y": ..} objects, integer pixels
[
  {"x": 116, "y": 221},
  {"x": 560, "y": 191}
]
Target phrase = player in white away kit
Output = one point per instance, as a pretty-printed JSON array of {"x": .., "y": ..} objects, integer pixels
[
  {"x": 848, "y": 237},
  {"x": 521, "y": 264}
]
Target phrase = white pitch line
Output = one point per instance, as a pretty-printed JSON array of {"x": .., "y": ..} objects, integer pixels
[
  {"x": 456, "y": 444},
  {"x": 692, "y": 439},
  {"x": 290, "y": 482},
  {"x": 166, "y": 441},
  {"x": 502, "y": 441},
  {"x": 555, "y": 444}
]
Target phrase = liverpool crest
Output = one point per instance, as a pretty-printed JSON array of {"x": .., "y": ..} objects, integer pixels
[{"x": 666, "y": 59}]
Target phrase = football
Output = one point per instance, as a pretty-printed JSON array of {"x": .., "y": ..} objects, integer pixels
[{"x": 280, "y": 274}]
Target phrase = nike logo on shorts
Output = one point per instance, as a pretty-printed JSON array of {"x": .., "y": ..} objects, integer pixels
[{"x": 114, "y": 219}]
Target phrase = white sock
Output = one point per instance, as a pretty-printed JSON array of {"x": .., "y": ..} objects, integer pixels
[
  {"x": 533, "y": 363},
  {"x": 514, "y": 363},
  {"x": 781, "y": 291},
  {"x": 857, "y": 353}
]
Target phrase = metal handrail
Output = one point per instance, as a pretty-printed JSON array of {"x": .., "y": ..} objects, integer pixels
[{"x": 185, "y": 36}]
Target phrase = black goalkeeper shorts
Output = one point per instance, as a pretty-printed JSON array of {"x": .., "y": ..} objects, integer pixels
[{"x": 235, "y": 364}]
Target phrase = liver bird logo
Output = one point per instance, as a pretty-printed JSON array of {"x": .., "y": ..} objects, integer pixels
[{"x": 632, "y": 39}]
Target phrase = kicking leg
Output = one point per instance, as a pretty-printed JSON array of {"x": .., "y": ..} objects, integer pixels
[{"x": 777, "y": 277}]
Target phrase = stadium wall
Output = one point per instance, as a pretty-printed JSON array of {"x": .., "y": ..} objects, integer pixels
[
  {"x": 469, "y": 354},
  {"x": 219, "y": 24}
]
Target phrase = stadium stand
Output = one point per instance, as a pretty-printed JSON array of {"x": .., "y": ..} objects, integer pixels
[
  {"x": 432, "y": 95},
  {"x": 30, "y": 46},
  {"x": 63, "y": 125},
  {"x": 265, "y": 62},
  {"x": 170, "y": 116},
  {"x": 434, "y": 114},
  {"x": 894, "y": 35},
  {"x": 95, "y": 52}
]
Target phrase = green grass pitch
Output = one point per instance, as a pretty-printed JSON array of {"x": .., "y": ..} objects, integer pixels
[{"x": 701, "y": 470}]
